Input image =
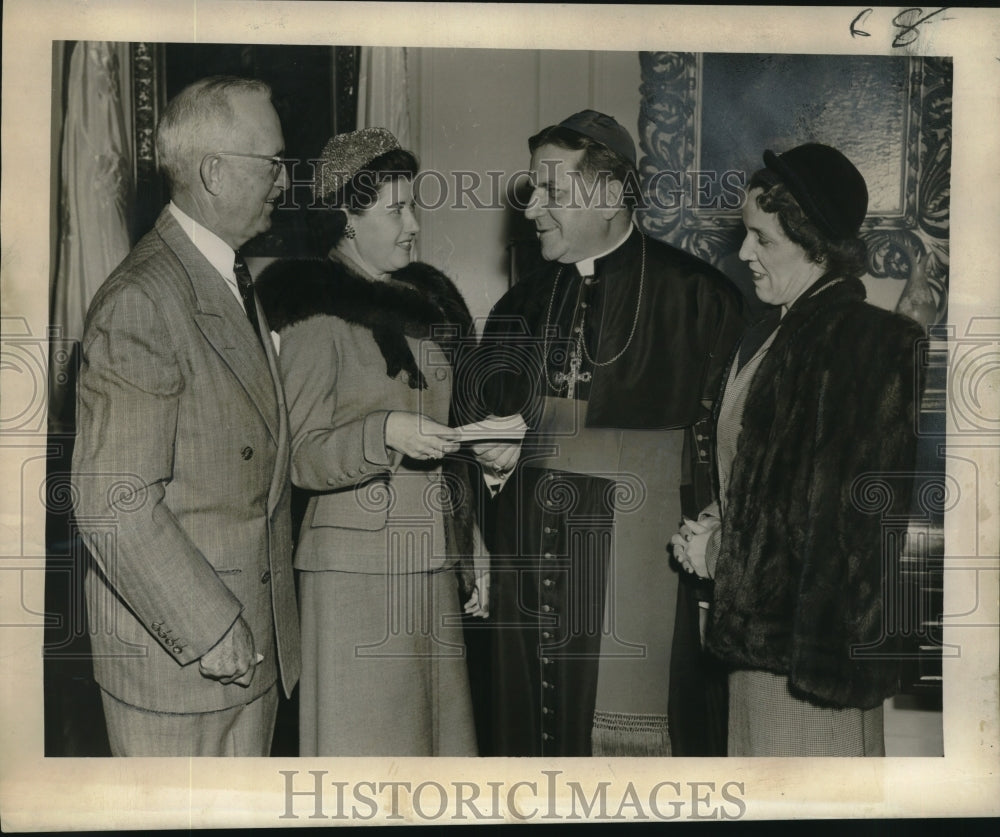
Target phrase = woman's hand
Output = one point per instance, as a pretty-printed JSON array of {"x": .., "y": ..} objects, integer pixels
[
  {"x": 690, "y": 545},
  {"x": 418, "y": 436},
  {"x": 479, "y": 602}
]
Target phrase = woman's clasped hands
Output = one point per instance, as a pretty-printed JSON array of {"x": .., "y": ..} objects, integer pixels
[{"x": 694, "y": 545}]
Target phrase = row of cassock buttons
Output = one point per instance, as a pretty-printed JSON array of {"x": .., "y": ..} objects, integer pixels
[{"x": 550, "y": 534}]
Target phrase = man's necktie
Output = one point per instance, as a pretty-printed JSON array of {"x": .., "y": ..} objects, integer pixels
[{"x": 245, "y": 283}]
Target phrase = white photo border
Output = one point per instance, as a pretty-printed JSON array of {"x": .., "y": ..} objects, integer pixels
[{"x": 37, "y": 793}]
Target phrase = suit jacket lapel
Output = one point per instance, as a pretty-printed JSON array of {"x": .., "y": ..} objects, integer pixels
[
  {"x": 282, "y": 464},
  {"x": 225, "y": 325}
]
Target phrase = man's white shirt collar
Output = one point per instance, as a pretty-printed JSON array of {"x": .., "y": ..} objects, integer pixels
[
  {"x": 586, "y": 266},
  {"x": 219, "y": 254}
]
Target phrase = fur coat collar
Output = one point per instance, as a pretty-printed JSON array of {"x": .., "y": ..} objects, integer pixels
[{"x": 419, "y": 301}]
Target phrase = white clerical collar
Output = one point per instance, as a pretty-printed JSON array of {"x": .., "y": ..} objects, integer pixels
[
  {"x": 586, "y": 266},
  {"x": 219, "y": 254}
]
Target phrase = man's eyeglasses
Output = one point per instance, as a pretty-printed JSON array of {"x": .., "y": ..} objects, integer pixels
[{"x": 277, "y": 163}]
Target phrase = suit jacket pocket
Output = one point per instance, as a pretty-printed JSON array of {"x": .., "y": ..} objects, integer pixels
[{"x": 363, "y": 506}]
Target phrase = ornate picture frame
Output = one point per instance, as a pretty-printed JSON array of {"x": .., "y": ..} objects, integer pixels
[{"x": 674, "y": 109}]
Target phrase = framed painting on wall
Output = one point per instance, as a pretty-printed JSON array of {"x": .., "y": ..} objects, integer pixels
[{"x": 705, "y": 120}]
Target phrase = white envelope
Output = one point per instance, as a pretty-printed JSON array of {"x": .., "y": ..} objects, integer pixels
[{"x": 500, "y": 428}]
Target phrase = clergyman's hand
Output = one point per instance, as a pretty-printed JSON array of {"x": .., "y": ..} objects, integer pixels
[
  {"x": 479, "y": 602},
  {"x": 497, "y": 457}
]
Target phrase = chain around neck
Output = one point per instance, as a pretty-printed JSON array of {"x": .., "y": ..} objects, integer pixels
[{"x": 582, "y": 342}]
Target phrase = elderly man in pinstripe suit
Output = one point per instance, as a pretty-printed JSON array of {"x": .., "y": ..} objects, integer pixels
[{"x": 180, "y": 468}]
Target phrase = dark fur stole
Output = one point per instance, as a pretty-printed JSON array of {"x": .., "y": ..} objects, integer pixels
[{"x": 420, "y": 302}]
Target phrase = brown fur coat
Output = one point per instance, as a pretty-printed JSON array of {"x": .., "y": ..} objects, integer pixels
[{"x": 802, "y": 573}]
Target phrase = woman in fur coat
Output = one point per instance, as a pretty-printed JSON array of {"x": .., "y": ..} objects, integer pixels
[
  {"x": 367, "y": 348},
  {"x": 818, "y": 410}
]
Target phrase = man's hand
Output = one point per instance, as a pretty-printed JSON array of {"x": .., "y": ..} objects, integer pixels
[
  {"x": 497, "y": 457},
  {"x": 232, "y": 659}
]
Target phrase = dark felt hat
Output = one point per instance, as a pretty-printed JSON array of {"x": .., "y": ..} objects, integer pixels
[
  {"x": 604, "y": 129},
  {"x": 830, "y": 190}
]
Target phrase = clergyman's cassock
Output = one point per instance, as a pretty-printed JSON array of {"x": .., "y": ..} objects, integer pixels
[{"x": 609, "y": 361}]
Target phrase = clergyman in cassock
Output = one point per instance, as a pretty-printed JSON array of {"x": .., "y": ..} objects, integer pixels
[{"x": 611, "y": 351}]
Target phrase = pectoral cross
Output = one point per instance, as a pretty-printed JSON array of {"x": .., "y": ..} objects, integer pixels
[{"x": 570, "y": 378}]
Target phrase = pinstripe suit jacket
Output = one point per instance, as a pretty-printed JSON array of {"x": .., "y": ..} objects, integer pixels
[{"x": 181, "y": 486}]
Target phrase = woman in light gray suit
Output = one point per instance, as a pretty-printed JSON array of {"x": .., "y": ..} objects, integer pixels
[{"x": 367, "y": 348}]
